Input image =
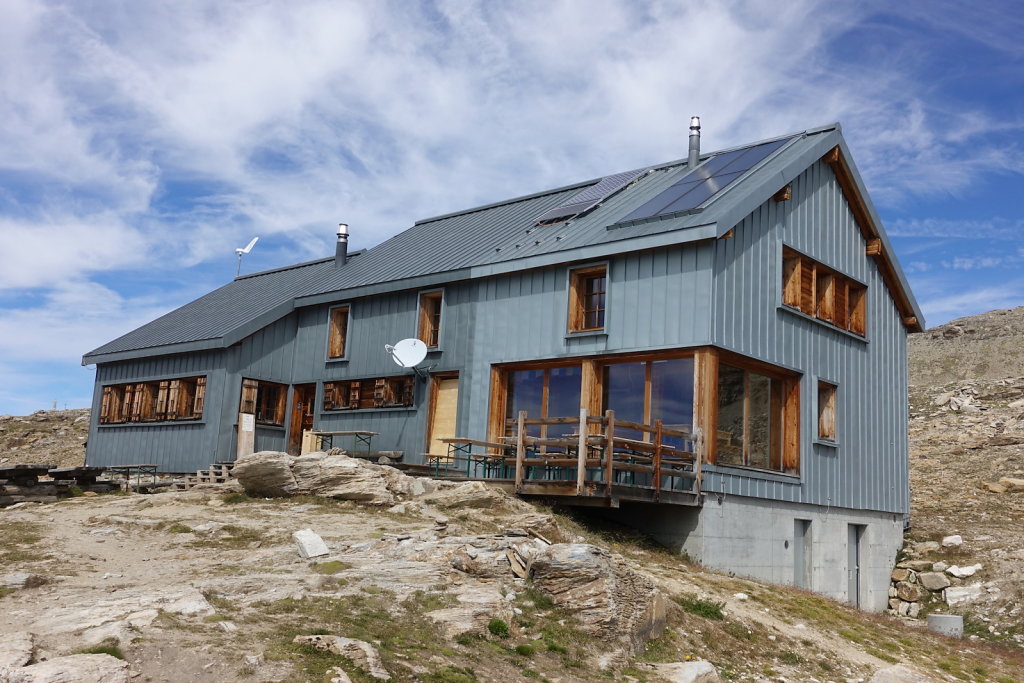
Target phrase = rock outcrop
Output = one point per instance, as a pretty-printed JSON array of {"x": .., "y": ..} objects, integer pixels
[{"x": 610, "y": 600}]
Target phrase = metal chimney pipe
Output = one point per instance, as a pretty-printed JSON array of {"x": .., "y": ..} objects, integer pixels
[
  {"x": 694, "y": 157},
  {"x": 341, "y": 250}
]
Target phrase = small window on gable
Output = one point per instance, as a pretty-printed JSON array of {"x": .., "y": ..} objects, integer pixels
[
  {"x": 822, "y": 293},
  {"x": 338, "y": 332},
  {"x": 430, "y": 318},
  {"x": 826, "y": 411},
  {"x": 587, "y": 292}
]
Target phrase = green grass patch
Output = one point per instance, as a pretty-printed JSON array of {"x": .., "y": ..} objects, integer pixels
[
  {"x": 498, "y": 628},
  {"x": 230, "y": 537},
  {"x": 709, "y": 609},
  {"x": 790, "y": 657},
  {"x": 107, "y": 647},
  {"x": 179, "y": 528},
  {"x": 525, "y": 650},
  {"x": 451, "y": 674},
  {"x": 5, "y": 590},
  {"x": 235, "y": 498},
  {"x": 428, "y": 601},
  {"x": 331, "y": 567},
  {"x": 16, "y": 535},
  {"x": 540, "y": 600}
]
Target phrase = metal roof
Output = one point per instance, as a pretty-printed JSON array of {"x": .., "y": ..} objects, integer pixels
[{"x": 498, "y": 237}]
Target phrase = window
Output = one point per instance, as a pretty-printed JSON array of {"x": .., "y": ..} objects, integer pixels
[
  {"x": 758, "y": 420},
  {"x": 587, "y": 291},
  {"x": 157, "y": 401},
  {"x": 650, "y": 390},
  {"x": 826, "y": 411},
  {"x": 430, "y": 318},
  {"x": 338, "y": 332},
  {"x": 820, "y": 292},
  {"x": 378, "y": 392},
  {"x": 265, "y": 400},
  {"x": 544, "y": 392}
]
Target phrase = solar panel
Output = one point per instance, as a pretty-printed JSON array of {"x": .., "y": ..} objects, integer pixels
[
  {"x": 589, "y": 197},
  {"x": 705, "y": 181}
]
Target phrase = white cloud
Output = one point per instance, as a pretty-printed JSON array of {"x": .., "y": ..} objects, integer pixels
[{"x": 156, "y": 137}]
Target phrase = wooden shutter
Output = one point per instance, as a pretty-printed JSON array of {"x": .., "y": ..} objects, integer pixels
[
  {"x": 329, "y": 393},
  {"x": 200, "y": 399},
  {"x": 134, "y": 406},
  {"x": 282, "y": 402},
  {"x": 807, "y": 282},
  {"x": 857, "y": 304},
  {"x": 842, "y": 317},
  {"x": 790, "y": 278},
  {"x": 161, "y": 400},
  {"x": 173, "y": 390},
  {"x": 379, "y": 392},
  {"x": 338, "y": 332},
  {"x": 825, "y": 295},
  {"x": 353, "y": 394},
  {"x": 248, "y": 402},
  {"x": 108, "y": 395}
]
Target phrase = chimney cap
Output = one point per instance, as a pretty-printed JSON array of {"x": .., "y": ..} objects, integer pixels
[
  {"x": 342, "y": 229},
  {"x": 694, "y": 122}
]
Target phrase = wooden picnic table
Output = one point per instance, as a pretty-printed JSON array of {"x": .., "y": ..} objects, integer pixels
[
  {"x": 359, "y": 437},
  {"x": 126, "y": 471},
  {"x": 461, "y": 446}
]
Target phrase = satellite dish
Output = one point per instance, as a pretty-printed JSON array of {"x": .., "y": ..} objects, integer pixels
[{"x": 408, "y": 353}]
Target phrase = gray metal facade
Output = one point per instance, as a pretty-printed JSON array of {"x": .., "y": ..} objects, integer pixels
[{"x": 672, "y": 284}]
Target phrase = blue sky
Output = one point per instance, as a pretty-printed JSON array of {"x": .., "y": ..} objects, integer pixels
[{"x": 141, "y": 143}]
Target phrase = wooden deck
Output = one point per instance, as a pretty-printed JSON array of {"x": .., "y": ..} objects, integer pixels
[{"x": 590, "y": 466}]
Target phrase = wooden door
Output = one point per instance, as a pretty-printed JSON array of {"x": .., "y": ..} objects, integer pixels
[
  {"x": 444, "y": 406},
  {"x": 303, "y": 399}
]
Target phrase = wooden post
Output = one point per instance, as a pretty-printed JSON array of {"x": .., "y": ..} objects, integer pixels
[
  {"x": 520, "y": 450},
  {"x": 581, "y": 455},
  {"x": 657, "y": 460},
  {"x": 609, "y": 448},
  {"x": 698, "y": 458}
]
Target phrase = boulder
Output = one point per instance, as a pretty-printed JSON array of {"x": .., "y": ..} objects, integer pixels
[
  {"x": 908, "y": 592},
  {"x": 933, "y": 581},
  {"x": 956, "y": 595},
  {"x": 77, "y": 668},
  {"x": 339, "y": 476},
  {"x": 698, "y": 671},
  {"x": 925, "y": 547},
  {"x": 900, "y": 673},
  {"x": 1012, "y": 484},
  {"x": 963, "y": 572},
  {"x": 611, "y": 601},
  {"x": 310, "y": 544},
  {"x": 22, "y": 580},
  {"x": 16, "y": 649},
  {"x": 361, "y": 653},
  {"x": 915, "y": 565},
  {"x": 993, "y": 488},
  {"x": 954, "y": 541},
  {"x": 265, "y": 473},
  {"x": 470, "y": 494},
  {"x": 900, "y": 574}
]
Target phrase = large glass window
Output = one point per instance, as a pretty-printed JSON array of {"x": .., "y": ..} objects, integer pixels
[
  {"x": 650, "y": 390},
  {"x": 173, "y": 399},
  {"x": 751, "y": 413},
  {"x": 547, "y": 392}
]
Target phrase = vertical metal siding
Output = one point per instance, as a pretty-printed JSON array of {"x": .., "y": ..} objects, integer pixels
[{"x": 869, "y": 468}]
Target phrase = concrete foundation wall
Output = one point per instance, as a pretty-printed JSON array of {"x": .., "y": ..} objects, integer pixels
[{"x": 757, "y": 538}]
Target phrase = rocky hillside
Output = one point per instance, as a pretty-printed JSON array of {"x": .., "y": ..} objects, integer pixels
[
  {"x": 410, "y": 580},
  {"x": 51, "y": 437},
  {"x": 980, "y": 347}
]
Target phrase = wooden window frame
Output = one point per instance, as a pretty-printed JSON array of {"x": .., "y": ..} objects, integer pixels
[
  {"x": 169, "y": 400},
  {"x": 827, "y": 399},
  {"x": 578, "y": 298},
  {"x": 823, "y": 293},
  {"x": 430, "y": 311},
  {"x": 370, "y": 393},
  {"x": 338, "y": 319},
  {"x": 788, "y": 395}
]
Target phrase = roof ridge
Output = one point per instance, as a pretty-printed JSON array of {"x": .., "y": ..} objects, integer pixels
[{"x": 293, "y": 266}]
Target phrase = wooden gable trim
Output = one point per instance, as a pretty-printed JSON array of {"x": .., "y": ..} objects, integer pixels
[{"x": 873, "y": 243}]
